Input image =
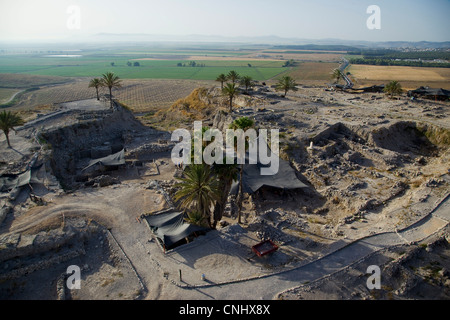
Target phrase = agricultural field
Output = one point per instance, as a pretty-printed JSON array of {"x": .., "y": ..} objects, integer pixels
[
  {"x": 140, "y": 95},
  {"x": 153, "y": 78},
  {"x": 309, "y": 56},
  {"x": 409, "y": 77},
  {"x": 161, "y": 65},
  {"x": 6, "y": 94},
  {"x": 313, "y": 72}
]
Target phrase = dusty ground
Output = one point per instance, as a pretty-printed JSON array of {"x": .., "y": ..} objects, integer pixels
[
  {"x": 370, "y": 171},
  {"x": 419, "y": 271}
]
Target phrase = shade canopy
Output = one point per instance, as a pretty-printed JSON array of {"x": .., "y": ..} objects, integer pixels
[
  {"x": 116, "y": 159},
  {"x": 282, "y": 177},
  {"x": 12, "y": 181},
  {"x": 170, "y": 228}
]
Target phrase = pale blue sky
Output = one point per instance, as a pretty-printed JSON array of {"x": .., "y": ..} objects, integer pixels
[{"x": 401, "y": 20}]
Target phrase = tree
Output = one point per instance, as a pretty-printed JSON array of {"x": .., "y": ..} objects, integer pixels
[
  {"x": 112, "y": 64},
  {"x": 197, "y": 218},
  {"x": 244, "y": 124},
  {"x": 226, "y": 173},
  {"x": 110, "y": 80},
  {"x": 393, "y": 88},
  {"x": 199, "y": 188},
  {"x": 129, "y": 63},
  {"x": 336, "y": 74},
  {"x": 231, "y": 91},
  {"x": 289, "y": 63},
  {"x": 8, "y": 121},
  {"x": 233, "y": 76},
  {"x": 247, "y": 82},
  {"x": 221, "y": 78},
  {"x": 95, "y": 83},
  {"x": 285, "y": 84},
  {"x": 136, "y": 64}
]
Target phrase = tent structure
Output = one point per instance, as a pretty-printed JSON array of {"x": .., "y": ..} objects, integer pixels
[
  {"x": 9, "y": 182},
  {"x": 374, "y": 88},
  {"x": 430, "y": 93},
  {"x": 285, "y": 178},
  {"x": 171, "y": 229},
  {"x": 116, "y": 159}
]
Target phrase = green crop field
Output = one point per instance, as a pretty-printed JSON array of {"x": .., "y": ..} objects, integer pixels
[{"x": 161, "y": 65}]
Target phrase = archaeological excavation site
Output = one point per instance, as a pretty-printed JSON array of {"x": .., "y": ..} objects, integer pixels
[{"x": 362, "y": 178}]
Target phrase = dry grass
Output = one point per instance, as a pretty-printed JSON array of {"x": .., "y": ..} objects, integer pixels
[
  {"x": 139, "y": 95},
  {"x": 314, "y": 71},
  {"x": 19, "y": 80},
  {"x": 311, "y": 57},
  {"x": 409, "y": 77},
  {"x": 6, "y": 94}
]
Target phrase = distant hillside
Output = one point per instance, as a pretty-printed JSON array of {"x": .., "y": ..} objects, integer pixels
[{"x": 318, "y": 47}]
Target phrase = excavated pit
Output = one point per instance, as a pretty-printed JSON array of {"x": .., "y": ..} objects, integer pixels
[
  {"x": 360, "y": 172},
  {"x": 102, "y": 134}
]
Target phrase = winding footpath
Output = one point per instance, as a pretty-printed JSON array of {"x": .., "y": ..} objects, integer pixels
[{"x": 268, "y": 287}]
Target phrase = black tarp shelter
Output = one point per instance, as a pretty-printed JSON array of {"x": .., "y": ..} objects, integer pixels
[
  {"x": 171, "y": 229},
  {"x": 116, "y": 159},
  {"x": 430, "y": 93},
  {"x": 9, "y": 182},
  {"x": 284, "y": 178},
  {"x": 374, "y": 88}
]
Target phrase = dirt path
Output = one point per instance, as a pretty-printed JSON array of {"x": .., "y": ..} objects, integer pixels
[
  {"x": 268, "y": 287},
  {"x": 12, "y": 97}
]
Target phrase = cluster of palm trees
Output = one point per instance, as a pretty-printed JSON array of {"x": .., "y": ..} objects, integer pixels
[
  {"x": 231, "y": 88},
  {"x": 230, "y": 85},
  {"x": 108, "y": 80},
  {"x": 203, "y": 191}
]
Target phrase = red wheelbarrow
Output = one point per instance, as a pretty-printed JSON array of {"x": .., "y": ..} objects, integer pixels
[{"x": 265, "y": 247}]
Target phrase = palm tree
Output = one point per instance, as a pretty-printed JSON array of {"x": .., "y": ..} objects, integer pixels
[
  {"x": 95, "y": 83},
  {"x": 393, "y": 88},
  {"x": 226, "y": 173},
  {"x": 247, "y": 82},
  {"x": 231, "y": 91},
  {"x": 221, "y": 78},
  {"x": 197, "y": 218},
  {"x": 336, "y": 74},
  {"x": 233, "y": 76},
  {"x": 110, "y": 80},
  {"x": 286, "y": 83},
  {"x": 199, "y": 189},
  {"x": 243, "y": 123},
  {"x": 8, "y": 121}
]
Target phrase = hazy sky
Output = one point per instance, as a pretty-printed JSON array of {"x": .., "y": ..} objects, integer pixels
[{"x": 406, "y": 20}]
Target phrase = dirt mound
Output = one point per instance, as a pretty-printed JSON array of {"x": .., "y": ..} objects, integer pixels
[
  {"x": 196, "y": 106},
  {"x": 96, "y": 135},
  {"x": 42, "y": 259}
]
